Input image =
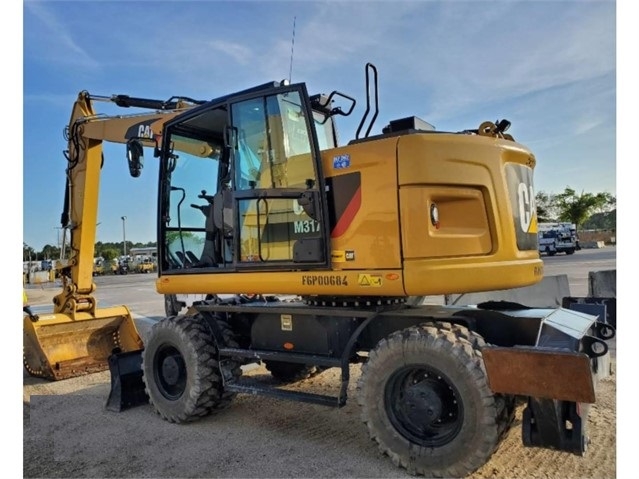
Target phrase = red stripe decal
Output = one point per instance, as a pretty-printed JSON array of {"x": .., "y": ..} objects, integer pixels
[{"x": 349, "y": 214}]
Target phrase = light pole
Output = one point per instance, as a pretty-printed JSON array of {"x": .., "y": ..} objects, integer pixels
[
  {"x": 58, "y": 228},
  {"x": 60, "y": 244},
  {"x": 28, "y": 248},
  {"x": 124, "y": 233}
]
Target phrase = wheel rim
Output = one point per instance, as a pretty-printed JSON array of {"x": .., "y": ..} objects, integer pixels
[
  {"x": 424, "y": 406},
  {"x": 169, "y": 370}
]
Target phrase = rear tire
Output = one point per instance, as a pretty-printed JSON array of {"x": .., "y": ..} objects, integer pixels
[
  {"x": 180, "y": 370},
  {"x": 425, "y": 400}
]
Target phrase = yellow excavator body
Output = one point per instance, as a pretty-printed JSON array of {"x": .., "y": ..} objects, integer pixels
[
  {"x": 407, "y": 213},
  {"x": 385, "y": 242}
]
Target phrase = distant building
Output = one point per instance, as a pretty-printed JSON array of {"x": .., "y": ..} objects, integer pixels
[{"x": 150, "y": 251}]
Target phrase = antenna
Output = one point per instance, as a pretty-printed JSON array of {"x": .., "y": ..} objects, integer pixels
[{"x": 290, "y": 71}]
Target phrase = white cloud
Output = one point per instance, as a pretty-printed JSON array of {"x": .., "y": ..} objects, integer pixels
[
  {"x": 469, "y": 54},
  {"x": 239, "y": 53},
  {"x": 585, "y": 125},
  {"x": 55, "y": 41}
]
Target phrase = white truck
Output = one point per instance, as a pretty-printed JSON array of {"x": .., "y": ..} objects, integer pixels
[{"x": 557, "y": 238}]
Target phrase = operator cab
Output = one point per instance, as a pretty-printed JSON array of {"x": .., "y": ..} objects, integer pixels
[{"x": 241, "y": 184}]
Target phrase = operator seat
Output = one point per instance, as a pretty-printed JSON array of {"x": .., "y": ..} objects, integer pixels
[
  {"x": 210, "y": 256},
  {"x": 223, "y": 222},
  {"x": 219, "y": 220}
]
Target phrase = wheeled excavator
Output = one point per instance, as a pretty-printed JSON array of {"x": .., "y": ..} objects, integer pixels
[{"x": 257, "y": 200}]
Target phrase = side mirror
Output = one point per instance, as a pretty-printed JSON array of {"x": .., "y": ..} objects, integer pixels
[
  {"x": 135, "y": 157},
  {"x": 156, "y": 149}
]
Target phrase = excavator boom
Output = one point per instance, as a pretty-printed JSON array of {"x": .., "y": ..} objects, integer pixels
[{"x": 77, "y": 337}]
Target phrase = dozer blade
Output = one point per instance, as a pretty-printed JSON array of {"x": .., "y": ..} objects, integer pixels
[
  {"x": 127, "y": 386},
  {"x": 59, "y": 346}
]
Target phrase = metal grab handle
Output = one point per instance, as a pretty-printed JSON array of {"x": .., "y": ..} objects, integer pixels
[
  {"x": 369, "y": 67},
  {"x": 259, "y": 228}
]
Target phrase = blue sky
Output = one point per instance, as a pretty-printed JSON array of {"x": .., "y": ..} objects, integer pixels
[{"x": 549, "y": 67}]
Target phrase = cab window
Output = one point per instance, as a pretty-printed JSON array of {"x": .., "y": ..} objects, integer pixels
[{"x": 273, "y": 146}]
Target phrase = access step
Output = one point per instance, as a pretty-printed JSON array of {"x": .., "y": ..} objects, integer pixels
[
  {"x": 312, "y": 359},
  {"x": 255, "y": 388}
]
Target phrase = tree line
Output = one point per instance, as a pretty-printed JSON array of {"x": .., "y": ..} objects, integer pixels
[
  {"x": 596, "y": 211},
  {"x": 592, "y": 211},
  {"x": 108, "y": 251}
]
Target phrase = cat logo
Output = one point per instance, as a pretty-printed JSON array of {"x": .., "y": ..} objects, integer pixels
[
  {"x": 527, "y": 209},
  {"x": 141, "y": 130},
  {"x": 522, "y": 200},
  {"x": 145, "y": 132}
]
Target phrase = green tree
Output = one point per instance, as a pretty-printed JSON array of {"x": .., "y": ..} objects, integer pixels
[
  {"x": 602, "y": 221},
  {"x": 546, "y": 207},
  {"x": 50, "y": 252},
  {"x": 577, "y": 208},
  {"x": 99, "y": 247},
  {"x": 28, "y": 253},
  {"x": 109, "y": 253},
  {"x": 172, "y": 236}
]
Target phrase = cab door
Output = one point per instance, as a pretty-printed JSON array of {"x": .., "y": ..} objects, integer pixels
[{"x": 280, "y": 218}]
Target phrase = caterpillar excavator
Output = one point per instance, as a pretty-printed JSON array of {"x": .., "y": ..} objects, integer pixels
[{"x": 257, "y": 200}]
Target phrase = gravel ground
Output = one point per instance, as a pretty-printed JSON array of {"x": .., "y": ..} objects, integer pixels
[{"x": 68, "y": 433}]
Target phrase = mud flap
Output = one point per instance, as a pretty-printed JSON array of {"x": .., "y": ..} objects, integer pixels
[
  {"x": 127, "y": 386},
  {"x": 541, "y": 373},
  {"x": 559, "y": 375},
  {"x": 562, "y": 365}
]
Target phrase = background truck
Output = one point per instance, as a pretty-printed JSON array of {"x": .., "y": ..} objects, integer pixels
[
  {"x": 558, "y": 238},
  {"x": 311, "y": 255}
]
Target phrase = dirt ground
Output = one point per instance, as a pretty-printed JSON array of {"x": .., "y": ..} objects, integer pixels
[{"x": 68, "y": 433}]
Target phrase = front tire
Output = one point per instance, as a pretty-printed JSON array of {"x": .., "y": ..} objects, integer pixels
[
  {"x": 425, "y": 400},
  {"x": 180, "y": 371}
]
